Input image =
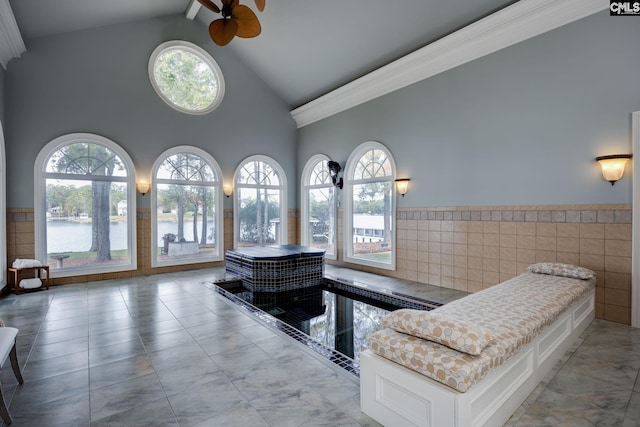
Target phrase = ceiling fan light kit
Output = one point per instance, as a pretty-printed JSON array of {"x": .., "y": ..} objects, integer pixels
[{"x": 237, "y": 20}]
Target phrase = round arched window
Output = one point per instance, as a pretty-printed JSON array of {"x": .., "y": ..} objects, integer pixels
[{"x": 186, "y": 77}]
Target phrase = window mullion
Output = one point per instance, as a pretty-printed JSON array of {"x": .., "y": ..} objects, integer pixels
[
  {"x": 184, "y": 182},
  {"x": 75, "y": 177}
]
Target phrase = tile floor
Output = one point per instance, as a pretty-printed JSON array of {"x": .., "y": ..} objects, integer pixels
[{"x": 166, "y": 351}]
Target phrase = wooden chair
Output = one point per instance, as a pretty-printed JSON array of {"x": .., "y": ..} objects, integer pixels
[{"x": 8, "y": 349}]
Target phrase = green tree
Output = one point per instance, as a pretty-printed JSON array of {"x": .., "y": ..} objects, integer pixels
[
  {"x": 97, "y": 161},
  {"x": 173, "y": 196},
  {"x": 199, "y": 197},
  {"x": 185, "y": 79},
  {"x": 191, "y": 170},
  {"x": 57, "y": 195},
  {"x": 167, "y": 198},
  {"x": 321, "y": 207},
  {"x": 118, "y": 194},
  {"x": 206, "y": 196},
  {"x": 180, "y": 204},
  {"x": 79, "y": 201},
  {"x": 375, "y": 199},
  {"x": 255, "y": 224}
]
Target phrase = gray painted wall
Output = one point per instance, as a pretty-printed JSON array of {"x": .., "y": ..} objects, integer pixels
[
  {"x": 520, "y": 126},
  {"x": 96, "y": 81}
]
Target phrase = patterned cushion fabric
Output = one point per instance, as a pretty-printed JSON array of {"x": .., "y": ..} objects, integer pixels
[
  {"x": 440, "y": 328},
  {"x": 514, "y": 312},
  {"x": 562, "y": 270}
]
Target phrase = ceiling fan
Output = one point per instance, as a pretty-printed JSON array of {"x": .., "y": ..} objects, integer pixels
[{"x": 237, "y": 20}]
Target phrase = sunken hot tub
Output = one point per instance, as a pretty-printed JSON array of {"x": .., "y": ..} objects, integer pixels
[{"x": 276, "y": 268}]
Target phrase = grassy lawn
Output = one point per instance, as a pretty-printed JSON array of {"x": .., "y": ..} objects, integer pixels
[
  {"x": 203, "y": 251},
  {"x": 75, "y": 255}
]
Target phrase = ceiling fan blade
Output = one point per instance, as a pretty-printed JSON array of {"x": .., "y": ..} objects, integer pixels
[
  {"x": 260, "y": 4},
  {"x": 223, "y": 30},
  {"x": 248, "y": 23},
  {"x": 210, "y": 5}
]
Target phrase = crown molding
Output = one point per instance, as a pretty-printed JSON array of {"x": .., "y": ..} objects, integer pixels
[
  {"x": 511, "y": 25},
  {"x": 11, "y": 44}
]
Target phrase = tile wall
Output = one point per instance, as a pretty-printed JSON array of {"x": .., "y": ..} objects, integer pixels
[
  {"x": 472, "y": 248},
  {"x": 467, "y": 248}
]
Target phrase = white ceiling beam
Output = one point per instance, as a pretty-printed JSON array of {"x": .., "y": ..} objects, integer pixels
[
  {"x": 511, "y": 25},
  {"x": 11, "y": 43},
  {"x": 192, "y": 10}
]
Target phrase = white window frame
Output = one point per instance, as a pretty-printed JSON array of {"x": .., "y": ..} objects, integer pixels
[
  {"x": 348, "y": 205},
  {"x": 304, "y": 197},
  {"x": 40, "y": 203},
  {"x": 219, "y": 220},
  {"x": 204, "y": 56},
  {"x": 283, "y": 238}
]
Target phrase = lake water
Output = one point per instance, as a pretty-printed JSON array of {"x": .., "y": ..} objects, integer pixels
[{"x": 76, "y": 236}]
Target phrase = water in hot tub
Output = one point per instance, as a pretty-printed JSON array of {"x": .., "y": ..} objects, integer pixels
[{"x": 337, "y": 319}]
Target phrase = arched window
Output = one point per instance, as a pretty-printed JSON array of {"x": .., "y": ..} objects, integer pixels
[
  {"x": 187, "y": 211},
  {"x": 260, "y": 212},
  {"x": 85, "y": 209},
  {"x": 318, "y": 206},
  {"x": 369, "y": 229}
]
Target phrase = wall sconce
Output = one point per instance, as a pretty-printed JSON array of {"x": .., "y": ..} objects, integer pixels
[
  {"x": 143, "y": 187},
  {"x": 228, "y": 190},
  {"x": 402, "y": 186},
  {"x": 613, "y": 166},
  {"x": 334, "y": 169}
]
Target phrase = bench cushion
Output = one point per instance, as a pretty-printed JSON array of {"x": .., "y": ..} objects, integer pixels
[
  {"x": 514, "y": 312},
  {"x": 565, "y": 270},
  {"x": 439, "y": 327}
]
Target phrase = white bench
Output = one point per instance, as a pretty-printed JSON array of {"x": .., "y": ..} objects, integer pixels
[{"x": 397, "y": 395}]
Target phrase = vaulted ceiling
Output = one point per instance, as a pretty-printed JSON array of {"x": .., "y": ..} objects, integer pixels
[{"x": 306, "y": 49}]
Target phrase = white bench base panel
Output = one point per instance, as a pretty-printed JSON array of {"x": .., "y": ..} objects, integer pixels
[{"x": 394, "y": 395}]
